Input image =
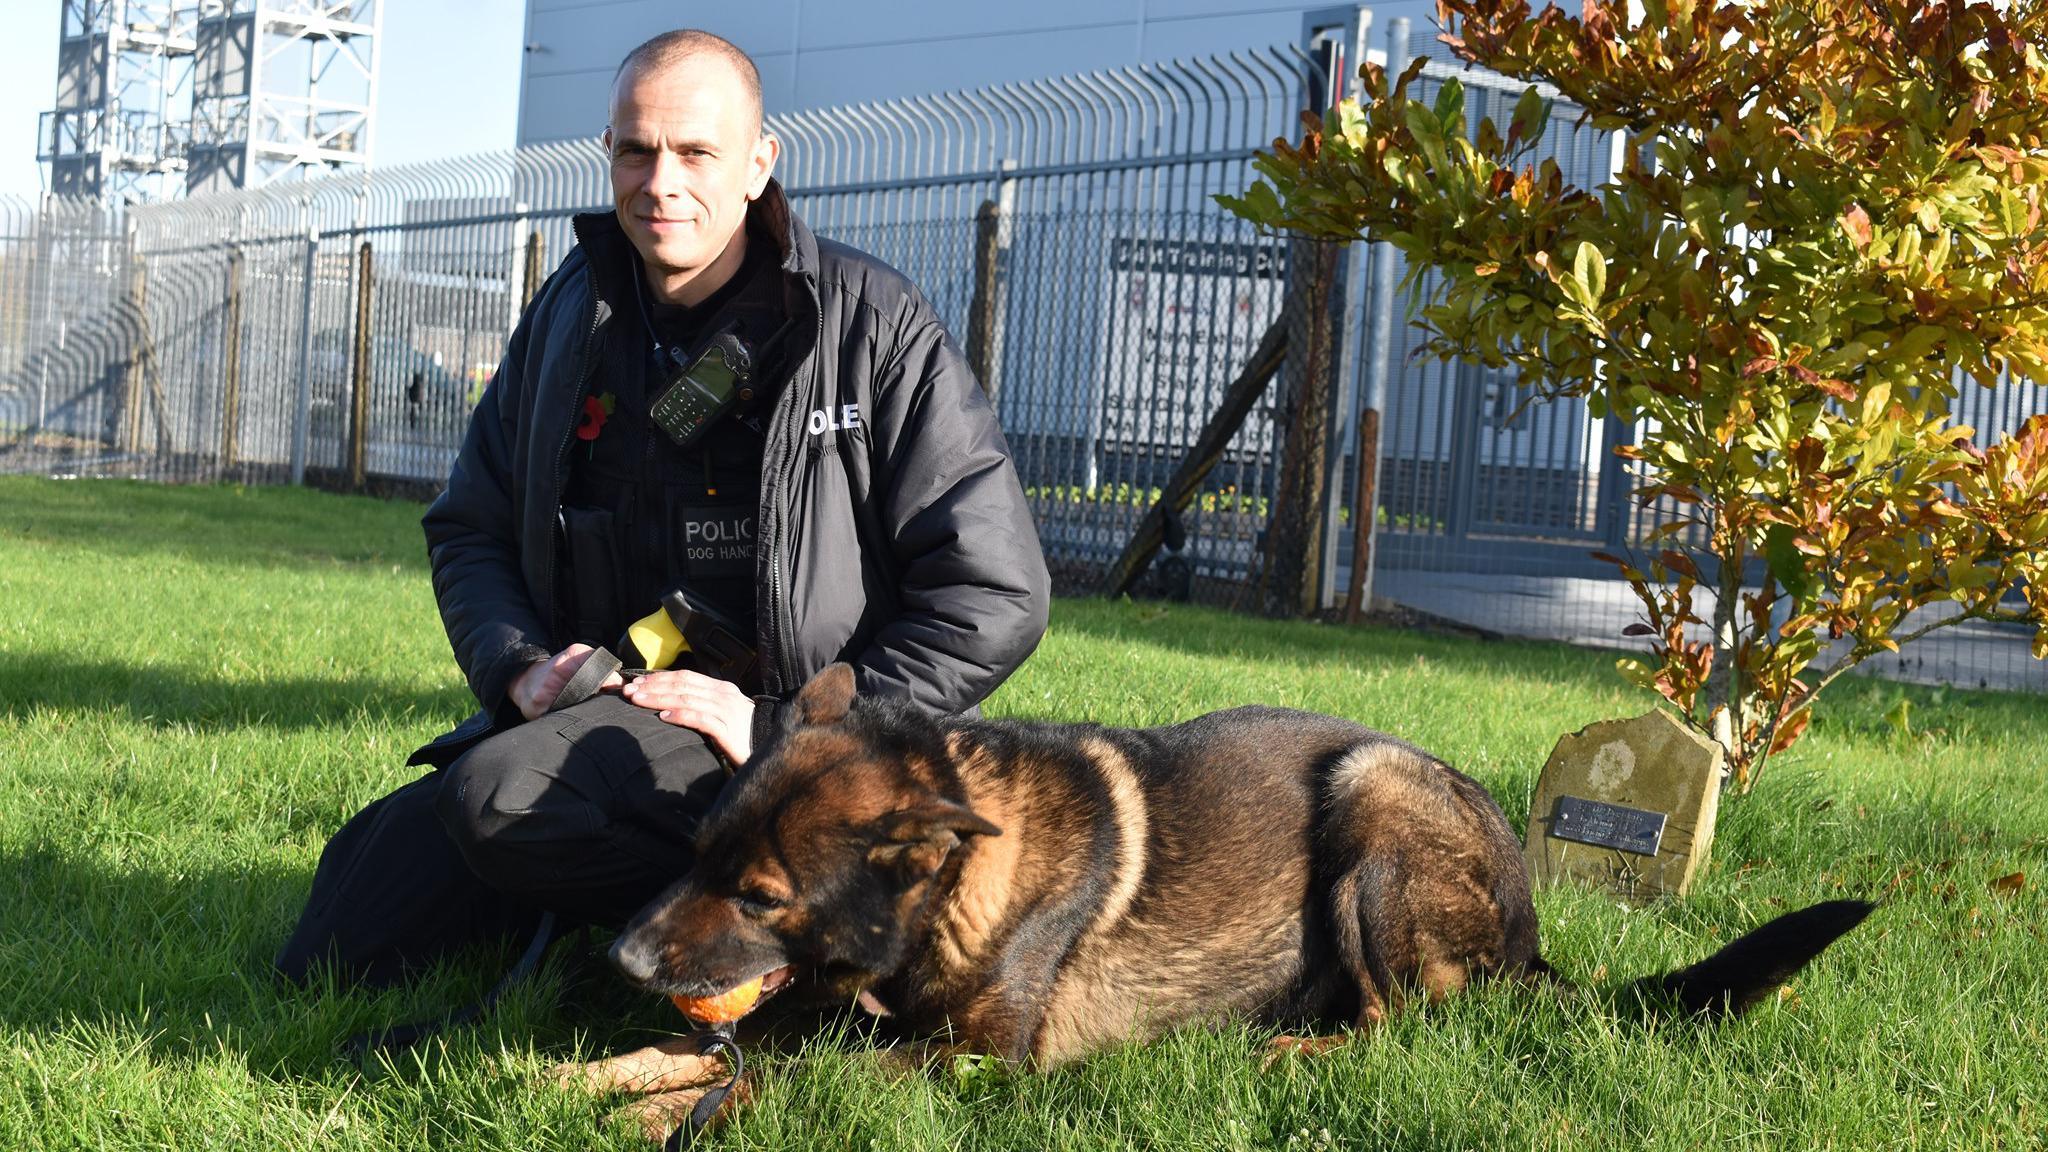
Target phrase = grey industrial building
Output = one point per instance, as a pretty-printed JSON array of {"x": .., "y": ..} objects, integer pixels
[{"x": 817, "y": 53}]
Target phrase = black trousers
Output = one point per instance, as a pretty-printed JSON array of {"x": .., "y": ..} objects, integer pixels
[{"x": 588, "y": 812}]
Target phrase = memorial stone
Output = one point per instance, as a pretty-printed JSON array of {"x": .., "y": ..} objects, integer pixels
[{"x": 1627, "y": 805}]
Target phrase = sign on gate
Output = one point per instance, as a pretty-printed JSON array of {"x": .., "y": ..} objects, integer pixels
[{"x": 1184, "y": 317}]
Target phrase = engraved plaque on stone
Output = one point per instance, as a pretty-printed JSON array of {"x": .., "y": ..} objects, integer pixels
[
  {"x": 1628, "y": 805},
  {"x": 1636, "y": 830}
]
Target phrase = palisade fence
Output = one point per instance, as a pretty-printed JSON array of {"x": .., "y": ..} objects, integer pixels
[{"x": 339, "y": 331}]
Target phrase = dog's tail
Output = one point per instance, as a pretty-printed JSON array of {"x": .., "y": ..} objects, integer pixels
[{"x": 1744, "y": 973}]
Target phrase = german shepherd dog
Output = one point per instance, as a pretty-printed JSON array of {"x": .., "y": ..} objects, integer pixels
[{"x": 1040, "y": 891}]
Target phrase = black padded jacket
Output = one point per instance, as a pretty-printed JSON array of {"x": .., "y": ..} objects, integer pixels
[{"x": 892, "y": 531}]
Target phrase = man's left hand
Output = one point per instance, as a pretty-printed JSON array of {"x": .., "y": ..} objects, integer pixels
[{"x": 717, "y": 709}]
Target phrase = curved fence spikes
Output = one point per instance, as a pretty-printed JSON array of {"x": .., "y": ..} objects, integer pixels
[
  {"x": 1106, "y": 305},
  {"x": 222, "y": 330}
]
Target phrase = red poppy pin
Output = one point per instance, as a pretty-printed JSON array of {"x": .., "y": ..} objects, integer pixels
[{"x": 596, "y": 410}]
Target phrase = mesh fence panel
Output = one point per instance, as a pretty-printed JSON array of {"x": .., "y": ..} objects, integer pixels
[{"x": 339, "y": 332}]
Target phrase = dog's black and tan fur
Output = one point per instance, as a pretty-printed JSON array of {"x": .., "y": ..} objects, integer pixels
[{"x": 1040, "y": 891}]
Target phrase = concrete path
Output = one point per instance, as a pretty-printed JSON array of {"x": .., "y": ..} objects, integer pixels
[{"x": 1593, "y": 613}]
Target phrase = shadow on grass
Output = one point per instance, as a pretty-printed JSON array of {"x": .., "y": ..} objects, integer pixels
[
  {"x": 170, "y": 697},
  {"x": 184, "y": 959},
  {"x": 217, "y": 524},
  {"x": 183, "y": 962}
]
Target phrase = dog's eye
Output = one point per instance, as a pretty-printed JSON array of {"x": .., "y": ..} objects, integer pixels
[{"x": 755, "y": 901}]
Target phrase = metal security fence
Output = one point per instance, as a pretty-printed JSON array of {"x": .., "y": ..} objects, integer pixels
[
  {"x": 339, "y": 331},
  {"x": 66, "y": 331},
  {"x": 1065, "y": 231},
  {"x": 1135, "y": 339}
]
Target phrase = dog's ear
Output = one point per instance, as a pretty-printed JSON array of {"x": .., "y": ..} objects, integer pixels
[
  {"x": 918, "y": 838},
  {"x": 827, "y": 697}
]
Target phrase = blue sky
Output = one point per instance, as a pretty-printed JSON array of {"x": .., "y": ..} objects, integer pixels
[{"x": 448, "y": 81}]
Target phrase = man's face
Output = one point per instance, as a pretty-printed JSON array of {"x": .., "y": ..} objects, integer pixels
[{"x": 686, "y": 159}]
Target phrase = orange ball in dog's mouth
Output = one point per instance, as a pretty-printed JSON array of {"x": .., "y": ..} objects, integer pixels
[{"x": 734, "y": 1002}]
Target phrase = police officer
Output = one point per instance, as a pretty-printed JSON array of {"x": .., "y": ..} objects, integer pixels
[{"x": 705, "y": 408}]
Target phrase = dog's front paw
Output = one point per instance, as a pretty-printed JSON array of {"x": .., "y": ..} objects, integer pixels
[
  {"x": 673, "y": 1065},
  {"x": 658, "y": 1116},
  {"x": 1283, "y": 1046}
]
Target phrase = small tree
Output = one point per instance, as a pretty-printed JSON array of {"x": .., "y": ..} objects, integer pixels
[{"x": 1830, "y": 212}]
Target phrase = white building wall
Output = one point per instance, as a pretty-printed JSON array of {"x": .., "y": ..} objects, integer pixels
[{"x": 815, "y": 53}]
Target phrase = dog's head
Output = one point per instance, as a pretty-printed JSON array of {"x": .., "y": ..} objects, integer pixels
[{"x": 821, "y": 856}]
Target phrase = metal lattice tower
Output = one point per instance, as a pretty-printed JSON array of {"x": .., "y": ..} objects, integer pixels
[
  {"x": 123, "y": 109},
  {"x": 159, "y": 97},
  {"x": 282, "y": 87}
]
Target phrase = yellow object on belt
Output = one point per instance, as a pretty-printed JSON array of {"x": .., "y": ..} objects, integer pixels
[{"x": 657, "y": 639}]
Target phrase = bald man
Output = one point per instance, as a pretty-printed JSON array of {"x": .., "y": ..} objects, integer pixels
[{"x": 711, "y": 418}]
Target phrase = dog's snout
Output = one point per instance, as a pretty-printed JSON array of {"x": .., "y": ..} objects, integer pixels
[{"x": 633, "y": 959}]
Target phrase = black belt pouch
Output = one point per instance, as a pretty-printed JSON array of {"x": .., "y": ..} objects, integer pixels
[{"x": 590, "y": 604}]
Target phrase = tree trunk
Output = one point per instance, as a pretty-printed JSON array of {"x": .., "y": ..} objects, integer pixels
[
  {"x": 1724, "y": 690},
  {"x": 1290, "y": 580}
]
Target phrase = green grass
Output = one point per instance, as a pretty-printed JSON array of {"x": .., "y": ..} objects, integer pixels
[{"x": 198, "y": 685}]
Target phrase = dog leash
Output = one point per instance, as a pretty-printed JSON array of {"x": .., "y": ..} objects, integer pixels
[
  {"x": 685, "y": 1135},
  {"x": 588, "y": 680},
  {"x": 715, "y": 1040},
  {"x": 582, "y": 686},
  {"x": 406, "y": 1035}
]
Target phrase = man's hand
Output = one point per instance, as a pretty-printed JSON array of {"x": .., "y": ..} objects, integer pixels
[
  {"x": 717, "y": 709},
  {"x": 542, "y": 681}
]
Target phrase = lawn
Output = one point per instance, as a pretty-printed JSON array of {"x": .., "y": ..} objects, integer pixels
[{"x": 197, "y": 685}]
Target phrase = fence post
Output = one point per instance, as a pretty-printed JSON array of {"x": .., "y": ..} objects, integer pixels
[
  {"x": 981, "y": 314},
  {"x": 231, "y": 366},
  {"x": 1344, "y": 377},
  {"x": 42, "y": 315},
  {"x": 1613, "y": 509},
  {"x": 302, "y": 419},
  {"x": 1612, "y": 506},
  {"x": 1379, "y": 339},
  {"x": 131, "y": 391},
  {"x": 142, "y": 373},
  {"x": 536, "y": 248},
  {"x": 359, "y": 383}
]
